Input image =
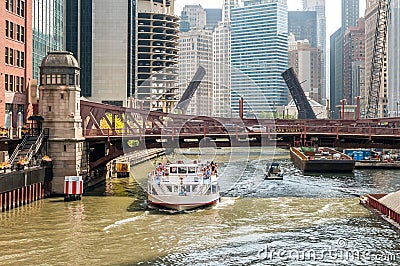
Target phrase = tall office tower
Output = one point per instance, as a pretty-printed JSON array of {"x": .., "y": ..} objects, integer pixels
[
  {"x": 306, "y": 61},
  {"x": 47, "y": 29},
  {"x": 195, "y": 15},
  {"x": 350, "y": 14},
  {"x": 195, "y": 49},
  {"x": 303, "y": 25},
  {"x": 319, "y": 7},
  {"x": 78, "y": 39},
  {"x": 15, "y": 61},
  {"x": 127, "y": 50},
  {"x": 394, "y": 59},
  {"x": 354, "y": 51},
  {"x": 370, "y": 29},
  {"x": 222, "y": 62},
  {"x": 259, "y": 55},
  {"x": 213, "y": 17}
]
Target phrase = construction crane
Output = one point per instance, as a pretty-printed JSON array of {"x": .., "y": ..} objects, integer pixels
[
  {"x": 303, "y": 106},
  {"x": 378, "y": 58}
]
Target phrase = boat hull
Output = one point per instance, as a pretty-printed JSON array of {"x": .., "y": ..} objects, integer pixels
[
  {"x": 331, "y": 166},
  {"x": 182, "y": 203}
]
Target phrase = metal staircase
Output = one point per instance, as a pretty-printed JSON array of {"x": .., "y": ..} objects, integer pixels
[{"x": 29, "y": 147}]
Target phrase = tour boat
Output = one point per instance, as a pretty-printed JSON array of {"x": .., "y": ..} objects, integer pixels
[
  {"x": 183, "y": 186},
  {"x": 310, "y": 159}
]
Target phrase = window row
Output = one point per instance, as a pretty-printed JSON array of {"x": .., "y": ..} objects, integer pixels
[
  {"x": 10, "y": 30},
  {"x": 20, "y": 8},
  {"x": 14, "y": 57},
  {"x": 59, "y": 79},
  {"x": 14, "y": 83}
]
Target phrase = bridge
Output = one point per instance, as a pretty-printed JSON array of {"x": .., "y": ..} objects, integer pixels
[
  {"x": 156, "y": 128},
  {"x": 83, "y": 136}
]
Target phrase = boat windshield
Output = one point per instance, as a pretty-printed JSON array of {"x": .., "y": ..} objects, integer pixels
[
  {"x": 191, "y": 170},
  {"x": 182, "y": 170},
  {"x": 173, "y": 170}
]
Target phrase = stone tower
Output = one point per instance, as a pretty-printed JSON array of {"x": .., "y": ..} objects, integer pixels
[{"x": 59, "y": 105}]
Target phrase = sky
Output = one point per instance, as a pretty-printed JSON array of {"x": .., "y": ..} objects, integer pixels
[{"x": 333, "y": 10}]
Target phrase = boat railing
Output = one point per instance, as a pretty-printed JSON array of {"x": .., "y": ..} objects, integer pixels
[{"x": 157, "y": 186}]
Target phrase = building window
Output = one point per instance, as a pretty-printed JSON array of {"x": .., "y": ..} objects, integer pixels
[
  {"x": 22, "y": 63},
  {"x": 22, "y": 11},
  {"x": 11, "y": 30},
  {"x": 22, "y": 37},
  {"x": 7, "y": 28},
  {"x": 18, "y": 57},
  {"x": 6, "y": 82},
  {"x": 11, "y": 5},
  {"x": 16, "y": 83},
  {"x": 22, "y": 82},
  {"x": 21, "y": 110},
  {"x": 19, "y": 7},
  {"x": 6, "y": 56},
  {"x": 11, "y": 84},
  {"x": 20, "y": 33},
  {"x": 11, "y": 57}
]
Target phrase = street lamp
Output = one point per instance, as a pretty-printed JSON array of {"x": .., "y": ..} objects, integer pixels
[{"x": 397, "y": 108}]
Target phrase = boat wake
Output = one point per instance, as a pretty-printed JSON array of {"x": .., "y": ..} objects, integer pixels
[
  {"x": 225, "y": 202},
  {"x": 124, "y": 221}
]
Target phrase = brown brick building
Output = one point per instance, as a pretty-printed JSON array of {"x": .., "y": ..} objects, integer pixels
[
  {"x": 354, "y": 51},
  {"x": 15, "y": 58}
]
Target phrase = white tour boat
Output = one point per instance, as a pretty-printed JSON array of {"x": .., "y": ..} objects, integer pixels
[{"x": 183, "y": 186}]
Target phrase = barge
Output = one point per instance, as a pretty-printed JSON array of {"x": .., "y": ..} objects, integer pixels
[{"x": 321, "y": 160}]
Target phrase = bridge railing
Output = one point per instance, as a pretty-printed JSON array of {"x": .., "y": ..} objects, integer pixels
[{"x": 291, "y": 129}]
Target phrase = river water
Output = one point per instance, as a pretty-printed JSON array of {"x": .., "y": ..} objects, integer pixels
[{"x": 302, "y": 220}]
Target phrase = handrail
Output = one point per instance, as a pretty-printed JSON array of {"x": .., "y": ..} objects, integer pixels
[{"x": 17, "y": 150}]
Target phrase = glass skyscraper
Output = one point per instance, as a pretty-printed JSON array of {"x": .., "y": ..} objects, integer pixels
[
  {"x": 47, "y": 30},
  {"x": 259, "y": 55}
]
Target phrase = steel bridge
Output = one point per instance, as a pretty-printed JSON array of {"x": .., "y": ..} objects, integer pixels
[{"x": 113, "y": 127}]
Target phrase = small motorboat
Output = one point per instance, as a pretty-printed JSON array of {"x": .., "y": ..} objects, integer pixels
[{"x": 273, "y": 172}]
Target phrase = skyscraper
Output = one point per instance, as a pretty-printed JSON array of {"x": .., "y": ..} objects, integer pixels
[
  {"x": 213, "y": 17},
  {"x": 371, "y": 13},
  {"x": 394, "y": 59},
  {"x": 157, "y": 54},
  {"x": 195, "y": 49},
  {"x": 195, "y": 15},
  {"x": 78, "y": 39},
  {"x": 15, "y": 61},
  {"x": 354, "y": 51},
  {"x": 127, "y": 50},
  {"x": 222, "y": 62},
  {"x": 303, "y": 25},
  {"x": 259, "y": 55},
  {"x": 319, "y": 7},
  {"x": 306, "y": 61},
  {"x": 350, "y": 14},
  {"x": 47, "y": 30}
]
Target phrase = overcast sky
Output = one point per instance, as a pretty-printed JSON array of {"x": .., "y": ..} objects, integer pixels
[{"x": 333, "y": 10}]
